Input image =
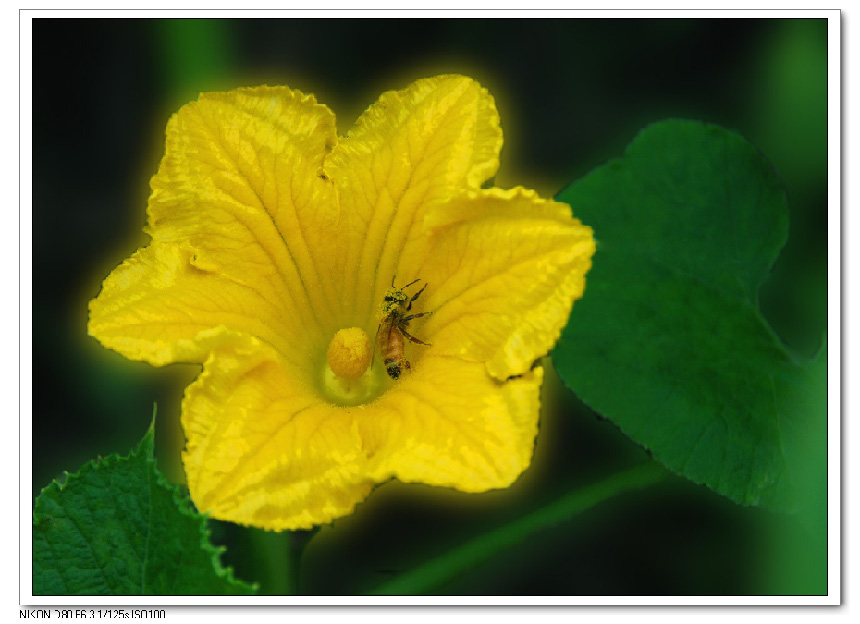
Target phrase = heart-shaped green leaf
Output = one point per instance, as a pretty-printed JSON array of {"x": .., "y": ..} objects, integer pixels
[{"x": 668, "y": 341}]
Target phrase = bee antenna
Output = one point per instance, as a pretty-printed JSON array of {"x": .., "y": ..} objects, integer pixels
[
  {"x": 410, "y": 283},
  {"x": 392, "y": 280}
]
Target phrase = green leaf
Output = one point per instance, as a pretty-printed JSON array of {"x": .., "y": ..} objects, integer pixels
[
  {"x": 118, "y": 527},
  {"x": 668, "y": 341}
]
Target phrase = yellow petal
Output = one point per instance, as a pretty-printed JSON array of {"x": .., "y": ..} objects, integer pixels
[
  {"x": 447, "y": 423},
  {"x": 410, "y": 149},
  {"x": 158, "y": 304},
  {"x": 503, "y": 270},
  {"x": 239, "y": 216},
  {"x": 264, "y": 451}
]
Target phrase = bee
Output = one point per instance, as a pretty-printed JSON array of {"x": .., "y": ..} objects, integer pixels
[{"x": 393, "y": 319}]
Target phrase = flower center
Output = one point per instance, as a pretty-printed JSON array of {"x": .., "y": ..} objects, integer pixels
[
  {"x": 349, "y": 353},
  {"x": 348, "y": 378}
]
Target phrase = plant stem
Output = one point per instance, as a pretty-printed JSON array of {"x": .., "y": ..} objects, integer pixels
[
  {"x": 296, "y": 546},
  {"x": 271, "y": 568},
  {"x": 441, "y": 569}
]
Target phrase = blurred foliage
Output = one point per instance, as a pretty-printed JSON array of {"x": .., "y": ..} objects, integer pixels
[
  {"x": 571, "y": 93},
  {"x": 461, "y": 560}
]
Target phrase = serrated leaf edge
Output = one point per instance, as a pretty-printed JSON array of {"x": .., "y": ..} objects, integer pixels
[{"x": 183, "y": 502}]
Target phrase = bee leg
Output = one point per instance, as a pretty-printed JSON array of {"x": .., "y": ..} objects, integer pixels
[
  {"x": 413, "y": 338},
  {"x": 406, "y": 319},
  {"x": 415, "y": 296}
]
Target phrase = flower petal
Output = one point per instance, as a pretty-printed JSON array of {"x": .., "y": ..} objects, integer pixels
[
  {"x": 236, "y": 214},
  {"x": 448, "y": 423},
  {"x": 503, "y": 269},
  {"x": 264, "y": 451},
  {"x": 155, "y": 305},
  {"x": 410, "y": 149}
]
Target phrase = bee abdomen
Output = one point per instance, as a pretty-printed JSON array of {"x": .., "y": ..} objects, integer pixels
[{"x": 392, "y": 367}]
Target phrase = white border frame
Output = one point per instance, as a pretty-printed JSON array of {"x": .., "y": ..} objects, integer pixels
[{"x": 835, "y": 164}]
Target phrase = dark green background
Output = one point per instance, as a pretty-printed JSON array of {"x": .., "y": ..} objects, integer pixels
[{"x": 571, "y": 93}]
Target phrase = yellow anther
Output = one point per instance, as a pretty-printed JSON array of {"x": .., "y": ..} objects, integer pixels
[{"x": 349, "y": 353}]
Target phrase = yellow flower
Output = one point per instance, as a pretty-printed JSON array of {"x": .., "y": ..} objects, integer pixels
[{"x": 271, "y": 235}]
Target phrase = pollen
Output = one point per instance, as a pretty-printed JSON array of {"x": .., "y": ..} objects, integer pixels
[{"x": 349, "y": 353}]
